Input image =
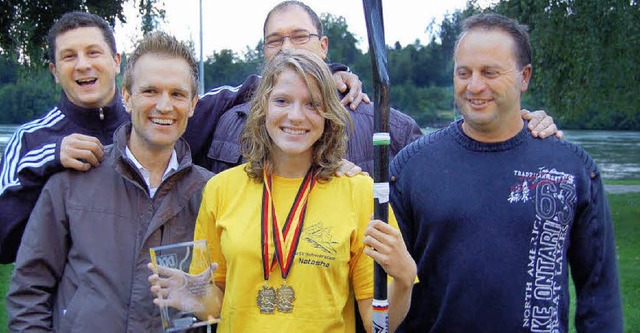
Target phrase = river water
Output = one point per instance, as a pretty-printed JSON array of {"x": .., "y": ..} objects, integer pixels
[{"x": 616, "y": 152}]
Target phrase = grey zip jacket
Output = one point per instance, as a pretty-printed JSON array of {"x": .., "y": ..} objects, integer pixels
[{"x": 82, "y": 263}]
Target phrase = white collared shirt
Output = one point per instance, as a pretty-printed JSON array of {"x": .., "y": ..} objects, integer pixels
[{"x": 173, "y": 165}]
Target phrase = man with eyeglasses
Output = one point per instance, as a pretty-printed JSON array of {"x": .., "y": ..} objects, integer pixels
[{"x": 214, "y": 139}]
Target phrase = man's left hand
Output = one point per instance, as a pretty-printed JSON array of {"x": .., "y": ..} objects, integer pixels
[
  {"x": 541, "y": 124},
  {"x": 350, "y": 82}
]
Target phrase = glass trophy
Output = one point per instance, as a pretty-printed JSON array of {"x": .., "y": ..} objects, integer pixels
[{"x": 185, "y": 269}]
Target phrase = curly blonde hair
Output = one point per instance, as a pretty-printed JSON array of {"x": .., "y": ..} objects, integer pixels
[{"x": 329, "y": 150}]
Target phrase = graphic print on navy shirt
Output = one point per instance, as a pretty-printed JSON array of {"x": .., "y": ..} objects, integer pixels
[{"x": 554, "y": 194}]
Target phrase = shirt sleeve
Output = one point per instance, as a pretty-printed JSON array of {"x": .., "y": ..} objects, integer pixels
[
  {"x": 208, "y": 111},
  {"x": 361, "y": 265},
  {"x": 592, "y": 258},
  {"x": 206, "y": 228},
  {"x": 23, "y": 173}
]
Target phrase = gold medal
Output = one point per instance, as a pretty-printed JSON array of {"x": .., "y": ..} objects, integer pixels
[
  {"x": 266, "y": 299},
  {"x": 285, "y": 239},
  {"x": 285, "y": 297}
]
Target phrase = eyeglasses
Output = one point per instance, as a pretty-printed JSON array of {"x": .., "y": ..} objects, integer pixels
[{"x": 298, "y": 38}]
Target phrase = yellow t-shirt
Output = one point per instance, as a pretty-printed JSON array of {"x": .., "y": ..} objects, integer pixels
[{"x": 329, "y": 267}]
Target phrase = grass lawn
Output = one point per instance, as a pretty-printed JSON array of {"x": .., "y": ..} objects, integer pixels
[
  {"x": 5, "y": 275},
  {"x": 622, "y": 182},
  {"x": 625, "y": 209}
]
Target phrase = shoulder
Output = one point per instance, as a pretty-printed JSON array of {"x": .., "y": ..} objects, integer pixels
[
  {"x": 569, "y": 150},
  {"x": 417, "y": 149},
  {"x": 357, "y": 183},
  {"x": 202, "y": 173},
  {"x": 47, "y": 122},
  {"x": 227, "y": 91},
  {"x": 231, "y": 176}
]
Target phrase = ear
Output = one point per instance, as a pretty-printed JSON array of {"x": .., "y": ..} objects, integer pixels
[
  {"x": 526, "y": 77},
  {"x": 324, "y": 46},
  {"x": 193, "y": 105},
  {"x": 52, "y": 69},
  {"x": 117, "y": 60},
  {"x": 126, "y": 96}
]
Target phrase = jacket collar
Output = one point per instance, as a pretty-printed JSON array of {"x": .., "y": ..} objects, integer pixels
[
  {"x": 112, "y": 113},
  {"x": 121, "y": 137}
]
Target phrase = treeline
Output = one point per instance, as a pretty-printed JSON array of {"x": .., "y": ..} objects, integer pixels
[{"x": 586, "y": 65}]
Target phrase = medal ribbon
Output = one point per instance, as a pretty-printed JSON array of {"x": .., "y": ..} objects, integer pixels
[{"x": 297, "y": 213}]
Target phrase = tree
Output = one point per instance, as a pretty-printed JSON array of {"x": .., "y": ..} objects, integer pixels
[
  {"x": 24, "y": 23},
  {"x": 343, "y": 44},
  {"x": 585, "y": 59}
]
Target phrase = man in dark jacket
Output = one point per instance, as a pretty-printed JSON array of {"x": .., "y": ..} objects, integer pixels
[
  {"x": 84, "y": 62},
  {"x": 290, "y": 24},
  {"x": 214, "y": 137},
  {"x": 82, "y": 263}
]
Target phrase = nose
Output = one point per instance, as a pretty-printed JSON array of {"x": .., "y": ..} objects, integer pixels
[
  {"x": 287, "y": 44},
  {"x": 83, "y": 62},
  {"x": 296, "y": 113},
  {"x": 476, "y": 83},
  {"x": 164, "y": 103}
]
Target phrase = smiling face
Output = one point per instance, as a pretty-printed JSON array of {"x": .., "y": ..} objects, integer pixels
[
  {"x": 488, "y": 85},
  {"x": 294, "y": 122},
  {"x": 85, "y": 68},
  {"x": 160, "y": 102},
  {"x": 288, "y": 22}
]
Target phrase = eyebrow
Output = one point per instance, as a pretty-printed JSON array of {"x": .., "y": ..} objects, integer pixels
[{"x": 294, "y": 32}]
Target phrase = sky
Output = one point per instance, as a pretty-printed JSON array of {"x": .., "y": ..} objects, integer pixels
[{"x": 237, "y": 24}]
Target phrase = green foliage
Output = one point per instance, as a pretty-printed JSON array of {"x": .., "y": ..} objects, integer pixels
[
  {"x": 586, "y": 59},
  {"x": 343, "y": 45},
  {"x": 584, "y": 76},
  {"x": 24, "y": 24},
  {"x": 26, "y": 94},
  {"x": 151, "y": 15}
]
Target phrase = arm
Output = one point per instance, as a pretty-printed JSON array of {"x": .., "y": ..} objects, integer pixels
[
  {"x": 403, "y": 130},
  {"x": 80, "y": 152},
  {"x": 40, "y": 263},
  {"x": 386, "y": 246},
  {"x": 592, "y": 258},
  {"x": 168, "y": 288},
  {"x": 23, "y": 173},
  {"x": 210, "y": 107},
  {"x": 163, "y": 282},
  {"x": 540, "y": 124},
  {"x": 349, "y": 85}
]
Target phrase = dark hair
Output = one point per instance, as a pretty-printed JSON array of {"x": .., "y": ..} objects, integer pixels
[
  {"x": 492, "y": 21},
  {"x": 74, "y": 20},
  {"x": 162, "y": 44},
  {"x": 315, "y": 19}
]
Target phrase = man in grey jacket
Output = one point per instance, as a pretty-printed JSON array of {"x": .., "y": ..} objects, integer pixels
[{"x": 82, "y": 264}]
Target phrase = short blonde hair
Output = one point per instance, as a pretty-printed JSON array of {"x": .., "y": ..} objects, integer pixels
[
  {"x": 161, "y": 44},
  {"x": 329, "y": 150}
]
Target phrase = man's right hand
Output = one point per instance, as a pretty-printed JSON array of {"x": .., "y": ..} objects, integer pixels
[{"x": 80, "y": 152}]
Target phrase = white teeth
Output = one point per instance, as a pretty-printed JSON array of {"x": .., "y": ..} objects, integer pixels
[
  {"x": 162, "y": 121},
  {"x": 293, "y": 131},
  {"x": 86, "y": 80},
  {"x": 477, "y": 101}
]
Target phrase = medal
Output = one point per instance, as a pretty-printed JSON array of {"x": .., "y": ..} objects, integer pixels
[
  {"x": 282, "y": 298},
  {"x": 266, "y": 299},
  {"x": 285, "y": 297}
]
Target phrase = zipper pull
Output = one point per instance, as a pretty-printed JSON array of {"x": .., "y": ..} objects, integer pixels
[{"x": 101, "y": 114}]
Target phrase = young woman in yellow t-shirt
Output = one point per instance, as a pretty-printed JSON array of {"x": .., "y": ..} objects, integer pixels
[{"x": 294, "y": 244}]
